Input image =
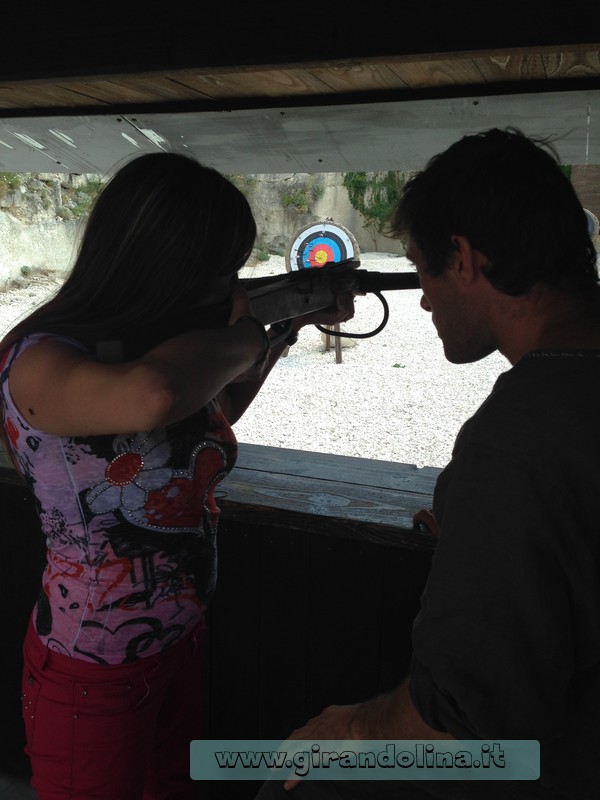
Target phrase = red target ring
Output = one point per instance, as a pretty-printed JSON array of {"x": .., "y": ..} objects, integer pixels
[
  {"x": 320, "y": 254},
  {"x": 321, "y": 243}
]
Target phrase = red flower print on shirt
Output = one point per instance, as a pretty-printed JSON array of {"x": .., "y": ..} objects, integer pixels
[
  {"x": 151, "y": 495},
  {"x": 182, "y": 503}
]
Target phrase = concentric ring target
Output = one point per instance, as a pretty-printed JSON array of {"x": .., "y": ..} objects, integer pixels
[{"x": 317, "y": 244}]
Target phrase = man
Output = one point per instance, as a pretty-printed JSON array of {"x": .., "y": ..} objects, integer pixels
[{"x": 507, "y": 641}]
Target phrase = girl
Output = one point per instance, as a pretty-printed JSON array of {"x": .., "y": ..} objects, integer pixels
[{"x": 117, "y": 396}]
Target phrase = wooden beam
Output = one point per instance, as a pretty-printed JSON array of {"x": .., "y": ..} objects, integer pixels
[{"x": 311, "y": 79}]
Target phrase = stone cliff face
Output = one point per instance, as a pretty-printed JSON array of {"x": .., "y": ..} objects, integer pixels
[
  {"x": 285, "y": 203},
  {"x": 42, "y": 215}
]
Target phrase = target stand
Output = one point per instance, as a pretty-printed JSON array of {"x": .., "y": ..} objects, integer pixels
[{"x": 314, "y": 246}]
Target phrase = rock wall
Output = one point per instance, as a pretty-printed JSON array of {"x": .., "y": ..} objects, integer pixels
[
  {"x": 39, "y": 223},
  {"x": 41, "y": 245},
  {"x": 285, "y": 203},
  {"x": 39, "y": 230},
  {"x": 41, "y": 216}
]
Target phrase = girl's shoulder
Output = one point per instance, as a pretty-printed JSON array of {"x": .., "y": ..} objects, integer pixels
[{"x": 25, "y": 342}]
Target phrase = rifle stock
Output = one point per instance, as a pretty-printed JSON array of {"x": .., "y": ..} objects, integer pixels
[{"x": 282, "y": 297}]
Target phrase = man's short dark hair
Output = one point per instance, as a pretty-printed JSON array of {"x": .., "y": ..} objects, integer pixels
[{"x": 508, "y": 195}]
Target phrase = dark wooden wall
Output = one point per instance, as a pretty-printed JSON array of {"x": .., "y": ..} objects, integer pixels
[{"x": 300, "y": 622}]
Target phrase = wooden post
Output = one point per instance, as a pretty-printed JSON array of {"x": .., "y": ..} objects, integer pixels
[{"x": 338, "y": 344}]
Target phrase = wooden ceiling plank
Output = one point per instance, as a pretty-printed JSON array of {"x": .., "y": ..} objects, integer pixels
[
  {"x": 572, "y": 64},
  {"x": 135, "y": 89},
  {"x": 578, "y": 51},
  {"x": 378, "y": 73},
  {"x": 258, "y": 83},
  {"x": 358, "y": 77},
  {"x": 510, "y": 67},
  {"x": 47, "y": 95},
  {"x": 435, "y": 73}
]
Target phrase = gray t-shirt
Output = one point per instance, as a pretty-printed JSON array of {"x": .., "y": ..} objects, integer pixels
[{"x": 507, "y": 641}]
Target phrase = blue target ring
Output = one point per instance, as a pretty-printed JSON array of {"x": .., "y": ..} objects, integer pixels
[
  {"x": 318, "y": 251},
  {"x": 320, "y": 244}
]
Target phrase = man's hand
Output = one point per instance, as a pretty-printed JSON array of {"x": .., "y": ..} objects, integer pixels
[
  {"x": 388, "y": 716},
  {"x": 425, "y": 517},
  {"x": 334, "y": 722}
]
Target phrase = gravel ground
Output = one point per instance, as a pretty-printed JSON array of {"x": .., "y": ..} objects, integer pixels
[{"x": 394, "y": 397}]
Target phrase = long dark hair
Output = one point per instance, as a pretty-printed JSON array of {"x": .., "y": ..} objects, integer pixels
[{"x": 162, "y": 231}]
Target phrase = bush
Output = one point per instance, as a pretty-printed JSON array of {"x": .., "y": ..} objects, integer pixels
[
  {"x": 375, "y": 196},
  {"x": 9, "y": 182}
]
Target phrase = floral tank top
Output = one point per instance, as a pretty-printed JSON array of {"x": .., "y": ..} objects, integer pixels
[{"x": 130, "y": 523}]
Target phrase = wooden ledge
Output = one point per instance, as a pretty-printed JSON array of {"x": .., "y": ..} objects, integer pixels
[
  {"x": 346, "y": 497},
  {"x": 341, "y": 496}
]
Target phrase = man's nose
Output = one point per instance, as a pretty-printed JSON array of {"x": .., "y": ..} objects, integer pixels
[{"x": 425, "y": 304}]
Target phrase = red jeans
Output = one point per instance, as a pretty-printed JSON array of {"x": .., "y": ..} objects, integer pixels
[{"x": 113, "y": 732}]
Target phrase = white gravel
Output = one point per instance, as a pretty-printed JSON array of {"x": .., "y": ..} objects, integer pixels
[{"x": 394, "y": 397}]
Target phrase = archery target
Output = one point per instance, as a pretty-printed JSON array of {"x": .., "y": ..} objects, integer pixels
[{"x": 319, "y": 243}]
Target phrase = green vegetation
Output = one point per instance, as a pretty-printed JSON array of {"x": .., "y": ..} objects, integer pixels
[
  {"x": 73, "y": 201},
  {"x": 245, "y": 183},
  {"x": 375, "y": 195},
  {"x": 82, "y": 197},
  {"x": 298, "y": 199},
  {"x": 304, "y": 195},
  {"x": 262, "y": 255},
  {"x": 9, "y": 182}
]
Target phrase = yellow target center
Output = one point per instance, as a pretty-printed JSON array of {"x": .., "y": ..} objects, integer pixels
[{"x": 321, "y": 257}]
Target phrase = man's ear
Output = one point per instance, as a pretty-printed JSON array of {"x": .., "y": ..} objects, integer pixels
[{"x": 467, "y": 261}]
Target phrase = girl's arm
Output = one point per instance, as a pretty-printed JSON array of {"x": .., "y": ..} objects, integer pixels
[
  {"x": 60, "y": 390},
  {"x": 235, "y": 398}
]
